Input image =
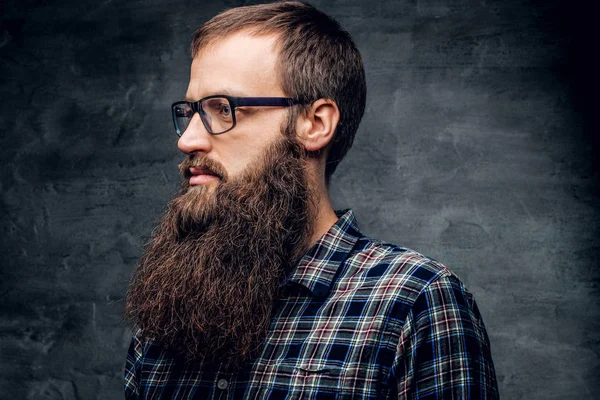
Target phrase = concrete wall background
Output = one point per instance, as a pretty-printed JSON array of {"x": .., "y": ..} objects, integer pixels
[{"x": 477, "y": 148}]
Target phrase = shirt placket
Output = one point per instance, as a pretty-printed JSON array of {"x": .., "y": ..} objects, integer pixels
[{"x": 223, "y": 385}]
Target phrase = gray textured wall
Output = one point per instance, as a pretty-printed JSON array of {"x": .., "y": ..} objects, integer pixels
[{"x": 476, "y": 148}]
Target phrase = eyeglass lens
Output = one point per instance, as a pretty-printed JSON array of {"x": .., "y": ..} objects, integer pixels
[{"x": 216, "y": 114}]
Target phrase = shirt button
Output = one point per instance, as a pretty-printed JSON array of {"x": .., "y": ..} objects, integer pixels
[{"x": 222, "y": 384}]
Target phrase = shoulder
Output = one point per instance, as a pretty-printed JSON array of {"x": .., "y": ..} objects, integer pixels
[
  {"x": 396, "y": 265},
  {"x": 401, "y": 276}
]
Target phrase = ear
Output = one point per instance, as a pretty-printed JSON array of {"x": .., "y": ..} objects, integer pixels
[{"x": 316, "y": 127}]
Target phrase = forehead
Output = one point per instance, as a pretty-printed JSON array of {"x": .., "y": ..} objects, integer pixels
[{"x": 240, "y": 64}]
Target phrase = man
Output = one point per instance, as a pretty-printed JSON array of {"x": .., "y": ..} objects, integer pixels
[{"x": 252, "y": 286}]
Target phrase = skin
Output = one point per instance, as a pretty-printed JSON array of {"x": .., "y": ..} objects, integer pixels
[{"x": 242, "y": 64}]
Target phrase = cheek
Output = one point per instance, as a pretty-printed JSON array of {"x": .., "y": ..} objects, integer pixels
[
  {"x": 246, "y": 147},
  {"x": 242, "y": 157},
  {"x": 248, "y": 154}
]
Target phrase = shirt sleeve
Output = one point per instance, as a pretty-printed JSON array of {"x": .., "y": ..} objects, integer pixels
[
  {"x": 444, "y": 351},
  {"x": 131, "y": 375}
]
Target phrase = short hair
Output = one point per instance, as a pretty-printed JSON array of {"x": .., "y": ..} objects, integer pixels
[{"x": 317, "y": 59}]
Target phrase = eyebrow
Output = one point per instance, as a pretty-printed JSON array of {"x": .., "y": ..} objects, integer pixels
[{"x": 225, "y": 91}]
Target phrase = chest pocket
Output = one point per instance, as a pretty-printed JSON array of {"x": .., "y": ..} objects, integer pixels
[
  {"x": 311, "y": 377},
  {"x": 345, "y": 365}
]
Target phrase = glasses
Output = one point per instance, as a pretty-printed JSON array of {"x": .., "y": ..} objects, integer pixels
[{"x": 217, "y": 113}]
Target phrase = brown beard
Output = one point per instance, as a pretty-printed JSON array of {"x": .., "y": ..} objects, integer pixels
[{"x": 206, "y": 286}]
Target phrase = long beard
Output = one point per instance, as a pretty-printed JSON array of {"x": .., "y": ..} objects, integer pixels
[{"x": 206, "y": 286}]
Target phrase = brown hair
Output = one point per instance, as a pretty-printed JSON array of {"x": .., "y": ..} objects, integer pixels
[{"x": 317, "y": 59}]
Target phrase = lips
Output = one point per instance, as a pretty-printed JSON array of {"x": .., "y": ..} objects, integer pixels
[
  {"x": 202, "y": 171},
  {"x": 201, "y": 176}
]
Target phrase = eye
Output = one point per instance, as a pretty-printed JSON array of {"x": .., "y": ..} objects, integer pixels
[
  {"x": 225, "y": 110},
  {"x": 218, "y": 108}
]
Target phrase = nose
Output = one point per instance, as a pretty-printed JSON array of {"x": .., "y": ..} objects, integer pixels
[{"x": 196, "y": 138}]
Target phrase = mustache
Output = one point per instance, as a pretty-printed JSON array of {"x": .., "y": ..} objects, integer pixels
[{"x": 204, "y": 163}]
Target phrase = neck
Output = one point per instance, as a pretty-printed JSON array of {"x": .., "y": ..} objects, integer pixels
[
  {"x": 325, "y": 219},
  {"x": 325, "y": 216}
]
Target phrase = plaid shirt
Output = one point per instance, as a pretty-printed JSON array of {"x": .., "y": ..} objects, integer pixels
[{"x": 360, "y": 319}]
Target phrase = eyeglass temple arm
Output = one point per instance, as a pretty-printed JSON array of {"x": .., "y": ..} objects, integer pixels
[{"x": 263, "y": 101}]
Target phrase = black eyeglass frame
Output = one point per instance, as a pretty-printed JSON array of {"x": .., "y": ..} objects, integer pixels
[{"x": 234, "y": 102}]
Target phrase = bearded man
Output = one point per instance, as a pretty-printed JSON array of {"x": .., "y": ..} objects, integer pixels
[{"x": 252, "y": 286}]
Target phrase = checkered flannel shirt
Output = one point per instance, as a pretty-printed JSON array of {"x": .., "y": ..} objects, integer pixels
[{"x": 360, "y": 319}]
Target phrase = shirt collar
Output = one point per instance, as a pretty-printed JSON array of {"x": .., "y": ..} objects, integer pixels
[{"x": 318, "y": 267}]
